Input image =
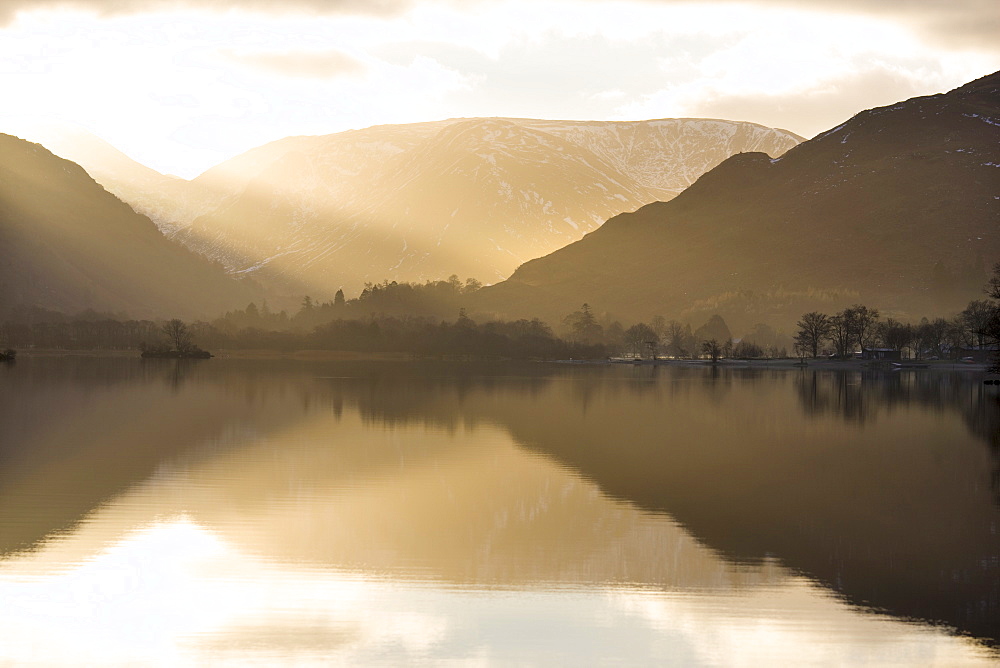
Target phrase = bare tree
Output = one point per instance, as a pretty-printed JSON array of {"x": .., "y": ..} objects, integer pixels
[
  {"x": 814, "y": 328},
  {"x": 931, "y": 336},
  {"x": 863, "y": 321},
  {"x": 841, "y": 333},
  {"x": 178, "y": 335},
  {"x": 712, "y": 349},
  {"x": 679, "y": 340},
  {"x": 641, "y": 337},
  {"x": 977, "y": 317},
  {"x": 896, "y": 335}
]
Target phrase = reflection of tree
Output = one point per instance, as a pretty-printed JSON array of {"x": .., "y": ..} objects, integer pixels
[{"x": 860, "y": 397}]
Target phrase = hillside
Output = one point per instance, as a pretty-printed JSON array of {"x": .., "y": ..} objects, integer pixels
[
  {"x": 67, "y": 244},
  {"x": 898, "y": 207}
]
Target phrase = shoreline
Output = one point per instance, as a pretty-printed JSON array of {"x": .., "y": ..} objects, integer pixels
[
  {"x": 348, "y": 355},
  {"x": 794, "y": 363}
]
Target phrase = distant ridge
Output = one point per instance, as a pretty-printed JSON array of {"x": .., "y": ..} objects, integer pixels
[
  {"x": 898, "y": 207},
  {"x": 475, "y": 197}
]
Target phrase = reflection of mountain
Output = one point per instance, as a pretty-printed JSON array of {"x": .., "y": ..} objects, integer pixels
[
  {"x": 78, "y": 431},
  {"x": 896, "y": 515},
  {"x": 896, "y": 207},
  {"x": 894, "y": 511}
]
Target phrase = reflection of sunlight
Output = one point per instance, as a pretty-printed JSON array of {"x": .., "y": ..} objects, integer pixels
[
  {"x": 796, "y": 623},
  {"x": 173, "y": 587}
]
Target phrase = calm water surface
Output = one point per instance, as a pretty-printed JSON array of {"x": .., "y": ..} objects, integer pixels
[{"x": 283, "y": 512}]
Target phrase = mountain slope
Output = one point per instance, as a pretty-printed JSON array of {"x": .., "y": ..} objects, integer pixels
[
  {"x": 67, "y": 244},
  {"x": 898, "y": 207},
  {"x": 475, "y": 197}
]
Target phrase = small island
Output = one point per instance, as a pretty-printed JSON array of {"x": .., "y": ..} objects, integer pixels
[
  {"x": 179, "y": 344},
  {"x": 8, "y": 355}
]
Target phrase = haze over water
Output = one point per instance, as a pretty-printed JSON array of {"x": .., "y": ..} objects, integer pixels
[{"x": 254, "y": 511}]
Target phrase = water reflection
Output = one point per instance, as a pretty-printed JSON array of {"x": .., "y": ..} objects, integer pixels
[{"x": 297, "y": 506}]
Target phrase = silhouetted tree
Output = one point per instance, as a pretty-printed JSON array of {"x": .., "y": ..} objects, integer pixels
[
  {"x": 896, "y": 335},
  {"x": 712, "y": 349},
  {"x": 862, "y": 320},
  {"x": 977, "y": 317},
  {"x": 178, "y": 335},
  {"x": 814, "y": 329},
  {"x": 841, "y": 334}
]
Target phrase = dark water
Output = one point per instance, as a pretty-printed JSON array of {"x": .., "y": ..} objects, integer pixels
[{"x": 282, "y": 512}]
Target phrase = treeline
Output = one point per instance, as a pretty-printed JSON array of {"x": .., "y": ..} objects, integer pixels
[
  {"x": 404, "y": 317},
  {"x": 860, "y": 327},
  {"x": 411, "y": 334},
  {"x": 520, "y": 339},
  {"x": 671, "y": 338},
  {"x": 432, "y": 299}
]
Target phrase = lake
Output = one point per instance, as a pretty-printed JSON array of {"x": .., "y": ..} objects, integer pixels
[{"x": 270, "y": 512}]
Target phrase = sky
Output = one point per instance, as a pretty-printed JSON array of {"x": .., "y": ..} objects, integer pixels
[{"x": 181, "y": 85}]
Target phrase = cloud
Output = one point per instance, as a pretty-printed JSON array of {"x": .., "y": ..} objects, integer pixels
[
  {"x": 952, "y": 23},
  {"x": 807, "y": 111},
  {"x": 10, "y": 8},
  {"x": 302, "y": 64}
]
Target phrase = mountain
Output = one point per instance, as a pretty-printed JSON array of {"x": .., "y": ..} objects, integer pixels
[
  {"x": 897, "y": 208},
  {"x": 67, "y": 244},
  {"x": 475, "y": 197}
]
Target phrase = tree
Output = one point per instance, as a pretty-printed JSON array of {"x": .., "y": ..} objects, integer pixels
[
  {"x": 863, "y": 321},
  {"x": 178, "y": 335},
  {"x": 659, "y": 325},
  {"x": 677, "y": 339},
  {"x": 814, "y": 329},
  {"x": 841, "y": 334},
  {"x": 338, "y": 299},
  {"x": 896, "y": 335},
  {"x": 991, "y": 331},
  {"x": 976, "y": 319},
  {"x": 464, "y": 321},
  {"x": 640, "y": 338},
  {"x": 993, "y": 286},
  {"x": 931, "y": 336},
  {"x": 584, "y": 326},
  {"x": 712, "y": 349}
]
